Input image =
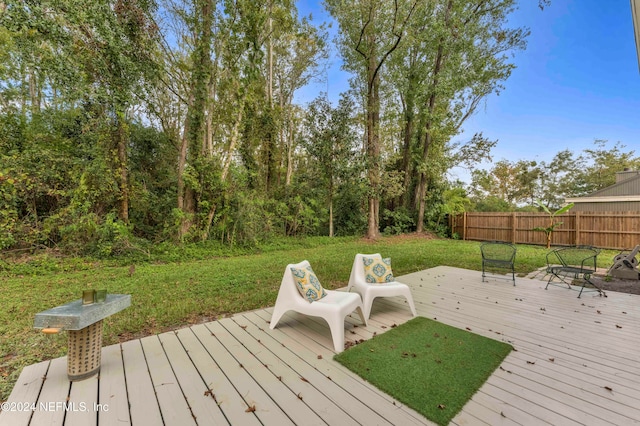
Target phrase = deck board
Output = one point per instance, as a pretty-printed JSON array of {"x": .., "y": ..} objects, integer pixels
[
  {"x": 220, "y": 390},
  {"x": 191, "y": 383},
  {"x": 234, "y": 357},
  {"x": 26, "y": 390},
  {"x": 144, "y": 408},
  {"x": 276, "y": 377},
  {"x": 82, "y": 398},
  {"x": 576, "y": 362},
  {"x": 54, "y": 393},
  {"x": 173, "y": 405},
  {"x": 112, "y": 389}
]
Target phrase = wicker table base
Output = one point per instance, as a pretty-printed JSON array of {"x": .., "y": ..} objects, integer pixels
[{"x": 85, "y": 350}]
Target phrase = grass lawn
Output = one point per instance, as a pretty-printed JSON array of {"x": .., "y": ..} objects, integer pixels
[{"x": 176, "y": 294}]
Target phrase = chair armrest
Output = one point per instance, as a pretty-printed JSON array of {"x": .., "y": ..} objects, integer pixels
[
  {"x": 590, "y": 261},
  {"x": 553, "y": 254}
]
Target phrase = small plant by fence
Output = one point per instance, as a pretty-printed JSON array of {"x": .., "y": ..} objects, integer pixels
[{"x": 607, "y": 230}]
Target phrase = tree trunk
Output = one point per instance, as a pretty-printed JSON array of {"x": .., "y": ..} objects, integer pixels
[
  {"x": 373, "y": 146},
  {"x": 225, "y": 169},
  {"x": 290, "y": 147},
  {"x": 406, "y": 147},
  {"x": 121, "y": 140},
  {"x": 422, "y": 185},
  {"x": 428, "y": 139},
  {"x": 34, "y": 92},
  {"x": 194, "y": 135},
  {"x": 331, "y": 216},
  {"x": 184, "y": 195}
]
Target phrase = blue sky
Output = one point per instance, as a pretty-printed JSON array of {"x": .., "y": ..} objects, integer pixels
[{"x": 577, "y": 81}]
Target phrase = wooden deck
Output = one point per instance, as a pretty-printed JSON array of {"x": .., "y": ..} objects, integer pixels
[{"x": 577, "y": 362}]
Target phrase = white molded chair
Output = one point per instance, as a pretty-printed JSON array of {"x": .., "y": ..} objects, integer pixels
[
  {"x": 369, "y": 291},
  {"x": 334, "y": 307}
]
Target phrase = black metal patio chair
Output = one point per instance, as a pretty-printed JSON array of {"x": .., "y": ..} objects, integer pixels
[
  {"x": 498, "y": 255},
  {"x": 573, "y": 266}
]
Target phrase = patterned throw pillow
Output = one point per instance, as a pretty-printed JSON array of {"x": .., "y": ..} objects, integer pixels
[
  {"x": 377, "y": 270},
  {"x": 308, "y": 284}
]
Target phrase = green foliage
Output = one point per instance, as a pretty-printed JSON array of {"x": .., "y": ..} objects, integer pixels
[
  {"x": 153, "y": 183},
  {"x": 330, "y": 139},
  {"x": 8, "y": 212},
  {"x": 90, "y": 235},
  {"x": 553, "y": 224},
  {"x": 397, "y": 222},
  {"x": 456, "y": 201},
  {"x": 492, "y": 203},
  {"x": 94, "y": 111},
  {"x": 435, "y": 214},
  {"x": 603, "y": 162},
  {"x": 252, "y": 219},
  {"x": 520, "y": 183},
  {"x": 350, "y": 209}
]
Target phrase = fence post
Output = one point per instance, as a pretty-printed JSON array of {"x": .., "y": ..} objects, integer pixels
[
  {"x": 577, "y": 226},
  {"x": 464, "y": 226},
  {"x": 513, "y": 227}
]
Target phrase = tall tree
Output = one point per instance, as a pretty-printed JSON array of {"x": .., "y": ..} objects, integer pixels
[
  {"x": 370, "y": 31},
  {"x": 557, "y": 178},
  {"x": 330, "y": 139},
  {"x": 603, "y": 164},
  {"x": 299, "y": 56},
  {"x": 192, "y": 143},
  {"x": 466, "y": 50}
]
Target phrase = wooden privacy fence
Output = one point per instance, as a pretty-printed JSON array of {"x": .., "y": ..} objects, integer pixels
[{"x": 610, "y": 230}]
